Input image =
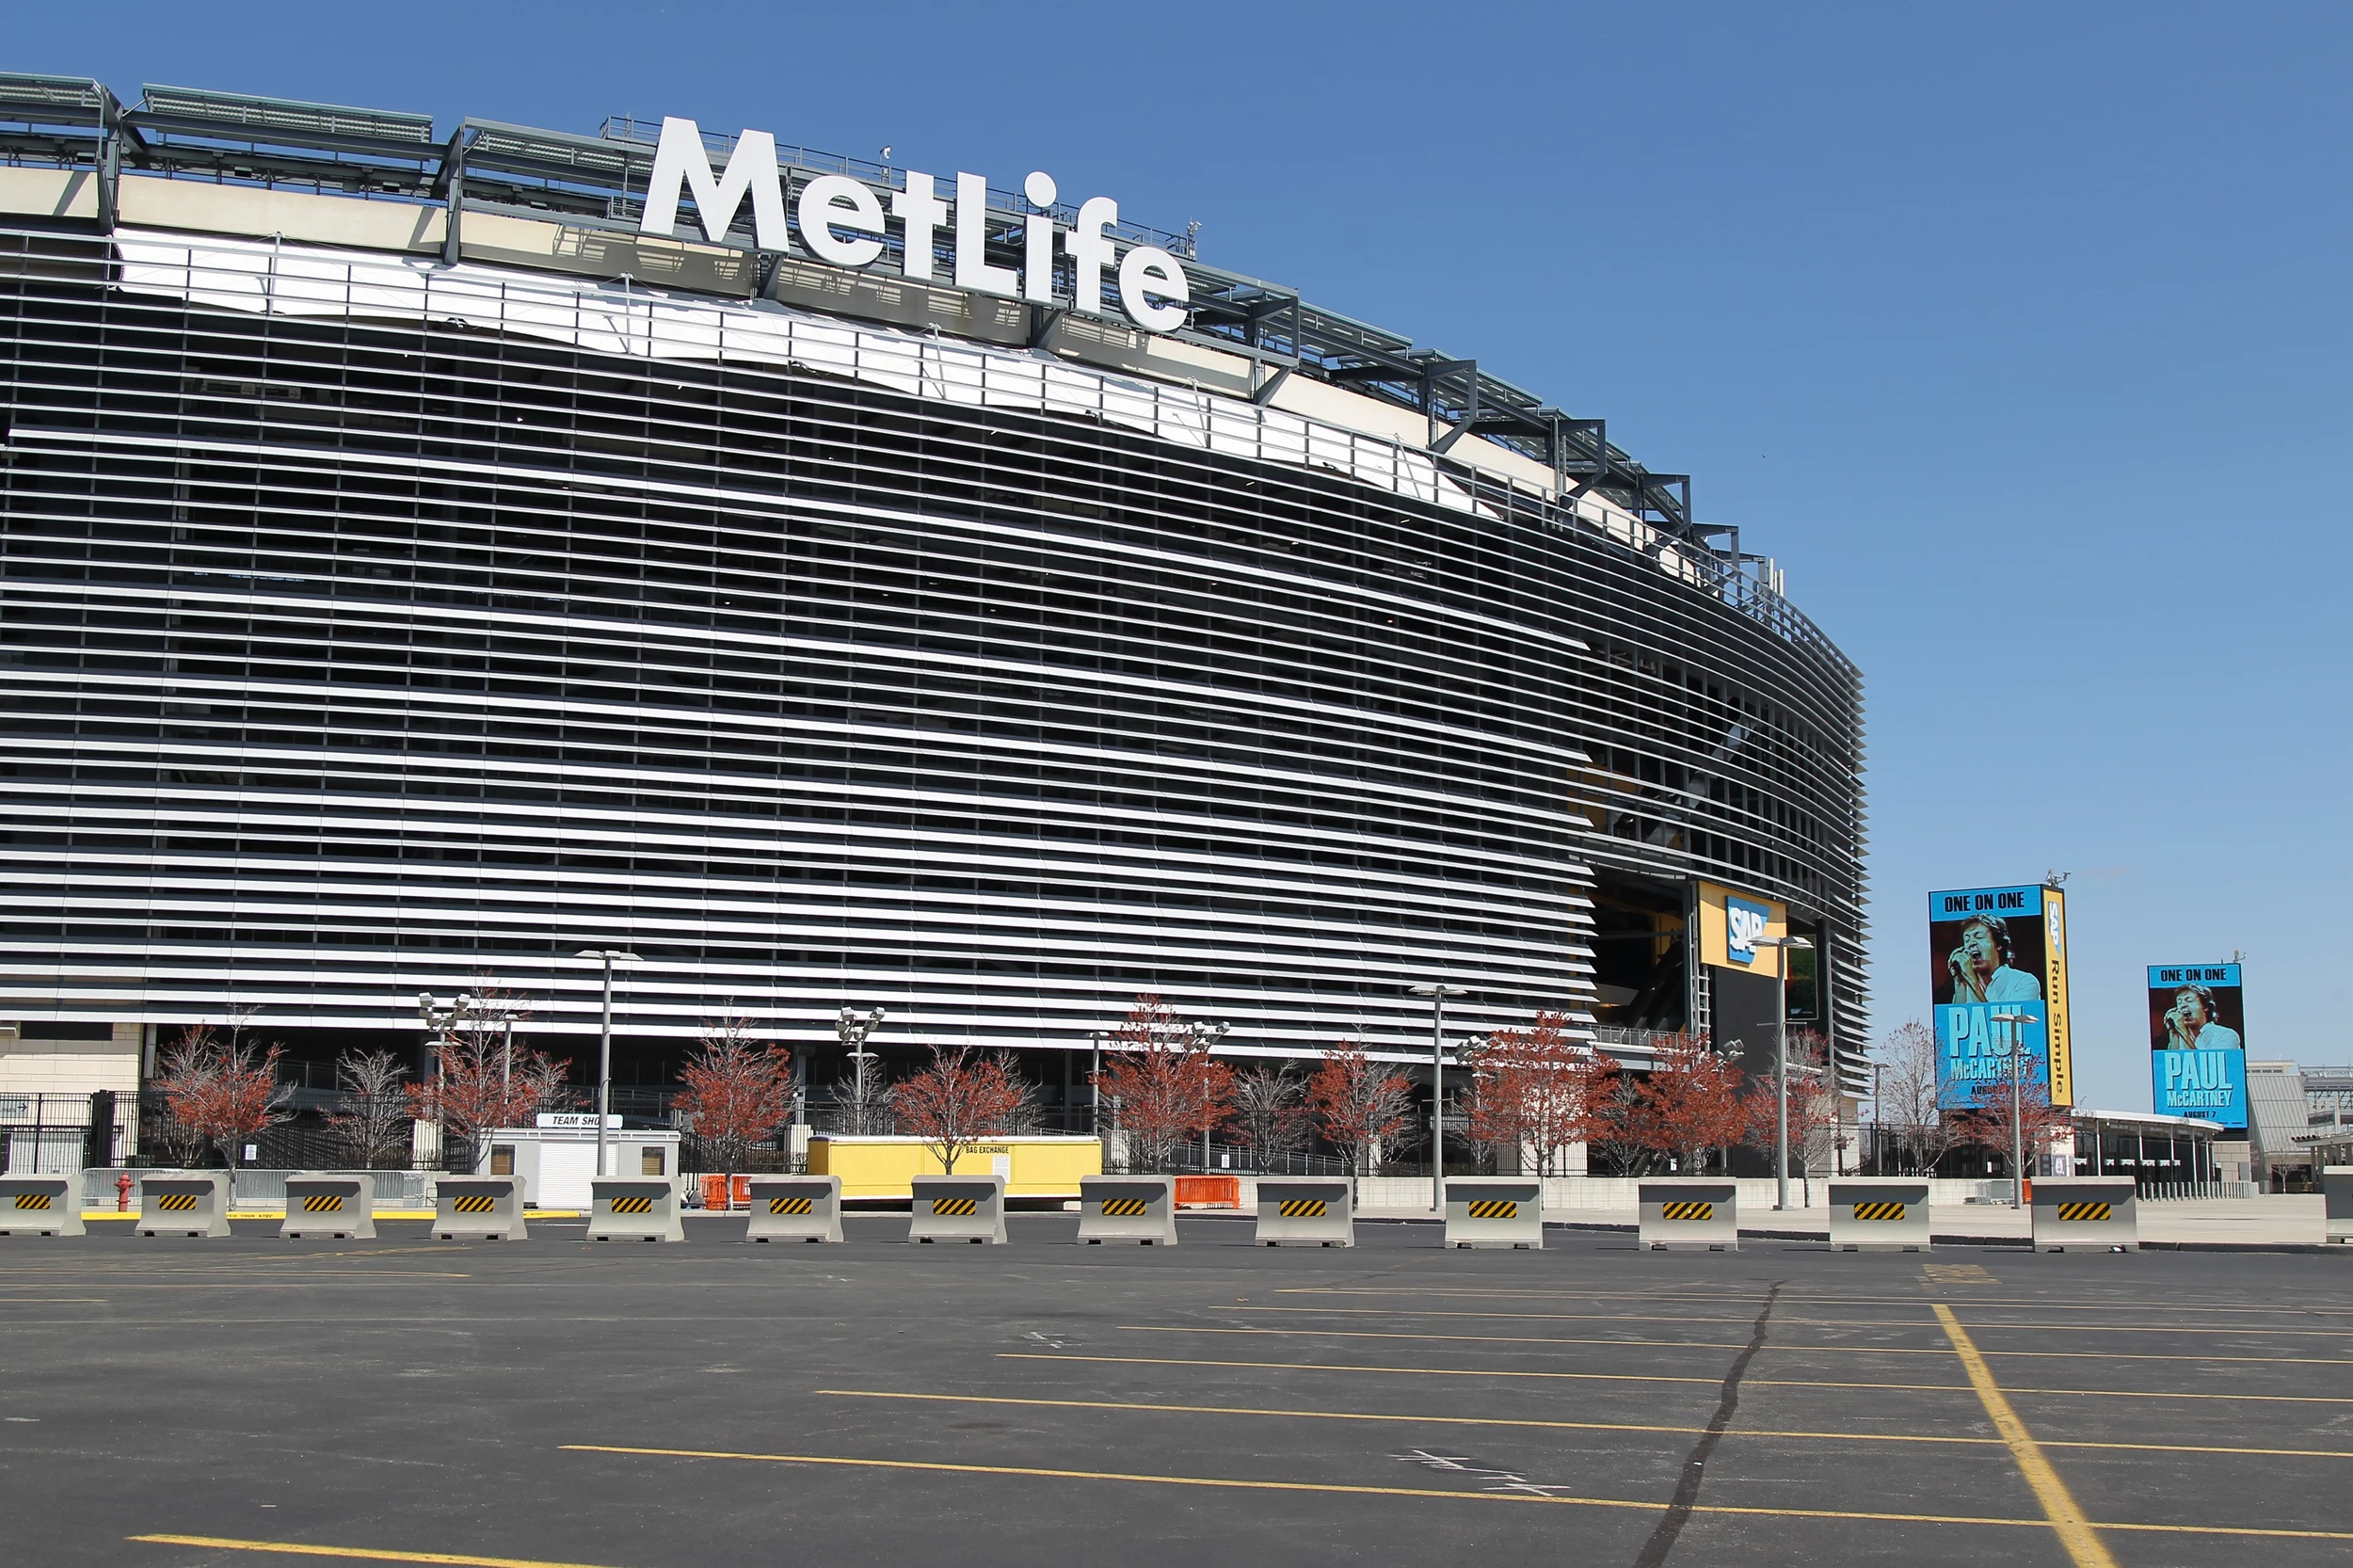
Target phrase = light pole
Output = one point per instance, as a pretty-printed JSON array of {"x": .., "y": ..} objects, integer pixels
[
  {"x": 852, "y": 1028},
  {"x": 1206, "y": 1035},
  {"x": 2017, "y": 1033},
  {"x": 1781, "y": 1062},
  {"x": 608, "y": 956},
  {"x": 1095, "y": 1091},
  {"x": 1437, "y": 992},
  {"x": 440, "y": 1023}
]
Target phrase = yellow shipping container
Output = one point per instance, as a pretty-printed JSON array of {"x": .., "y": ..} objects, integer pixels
[{"x": 1033, "y": 1167}]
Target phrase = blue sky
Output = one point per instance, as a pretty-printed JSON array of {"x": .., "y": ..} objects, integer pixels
[{"x": 2018, "y": 333}]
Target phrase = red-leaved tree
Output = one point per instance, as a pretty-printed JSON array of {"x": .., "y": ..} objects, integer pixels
[
  {"x": 1158, "y": 1070},
  {"x": 1690, "y": 1104},
  {"x": 737, "y": 1092},
  {"x": 482, "y": 1079},
  {"x": 218, "y": 1089},
  {"x": 1986, "y": 1123},
  {"x": 1537, "y": 1090},
  {"x": 1812, "y": 1101},
  {"x": 1355, "y": 1105},
  {"x": 958, "y": 1100}
]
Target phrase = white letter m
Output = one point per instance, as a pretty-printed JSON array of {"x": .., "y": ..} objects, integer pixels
[{"x": 678, "y": 161}]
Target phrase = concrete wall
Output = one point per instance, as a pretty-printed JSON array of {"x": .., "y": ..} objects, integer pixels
[{"x": 70, "y": 1067}]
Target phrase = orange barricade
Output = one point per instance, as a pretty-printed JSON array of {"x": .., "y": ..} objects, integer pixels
[
  {"x": 714, "y": 1193},
  {"x": 1208, "y": 1192}
]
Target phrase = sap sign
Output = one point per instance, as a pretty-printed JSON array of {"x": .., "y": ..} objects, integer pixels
[
  {"x": 1731, "y": 926},
  {"x": 1745, "y": 921}
]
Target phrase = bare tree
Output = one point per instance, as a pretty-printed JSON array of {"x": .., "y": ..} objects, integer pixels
[
  {"x": 1905, "y": 1102},
  {"x": 1269, "y": 1110},
  {"x": 374, "y": 1120},
  {"x": 1028, "y": 1114}
]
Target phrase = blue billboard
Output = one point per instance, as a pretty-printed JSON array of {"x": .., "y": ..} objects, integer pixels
[
  {"x": 1998, "y": 965},
  {"x": 2198, "y": 1042}
]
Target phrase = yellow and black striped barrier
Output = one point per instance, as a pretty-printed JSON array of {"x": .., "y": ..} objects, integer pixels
[
  {"x": 184, "y": 1203},
  {"x": 479, "y": 1208},
  {"x": 1495, "y": 1211},
  {"x": 1137, "y": 1209},
  {"x": 1306, "y": 1211},
  {"x": 635, "y": 1209},
  {"x": 1689, "y": 1215},
  {"x": 2084, "y": 1213},
  {"x": 41, "y": 1206},
  {"x": 1878, "y": 1214},
  {"x": 795, "y": 1209},
  {"x": 343, "y": 1207},
  {"x": 958, "y": 1209}
]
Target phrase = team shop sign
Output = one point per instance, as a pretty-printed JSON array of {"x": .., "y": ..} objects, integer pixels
[{"x": 841, "y": 221}]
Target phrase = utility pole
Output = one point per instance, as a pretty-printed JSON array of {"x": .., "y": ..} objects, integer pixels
[
  {"x": 1780, "y": 1062},
  {"x": 608, "y": 956},
  {"x": 1437, "y": 992}
]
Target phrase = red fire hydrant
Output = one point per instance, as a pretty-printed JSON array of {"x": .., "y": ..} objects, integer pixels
[{"x": 123, "y": 1192}]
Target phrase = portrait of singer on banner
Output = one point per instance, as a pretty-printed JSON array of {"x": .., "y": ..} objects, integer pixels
[
  {"x": 2198, "y": 1042},
  {"x": 1998, "y": 975}
]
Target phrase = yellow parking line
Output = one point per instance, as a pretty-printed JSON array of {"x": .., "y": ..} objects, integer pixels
[
  {"x": 365, "y": 1554},
  {"x": 936, "y": 1466},
  {"x": 1714, "y": 1345},
  {"x": 1564, "y": 1426},
  {"x": 1660, "y": 1377},
  {"x": 1455, "y": 1371},
  {"x": 1723, "y": 1297},
  {"x": 1800, "y": 1322},
  {"x": 2083, "y": 1544}
]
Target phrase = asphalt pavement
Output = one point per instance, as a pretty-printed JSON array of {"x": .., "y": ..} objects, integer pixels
[{"x": 173, "y": 1402}]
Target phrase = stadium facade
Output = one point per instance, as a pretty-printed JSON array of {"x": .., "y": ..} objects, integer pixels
[{"x": 428, "y": 558}]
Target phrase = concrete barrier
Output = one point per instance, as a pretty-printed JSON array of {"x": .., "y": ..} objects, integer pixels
[
  {"x": 184, "y": 1203},
  {"x": 2084, "y": 1213},
  {"x": 1306, "y": 1211},
  {"x": 41, "y": 1206},
  {"x": 1495, "y": 1211},
  {"x": 795, "y": 1209},
  {"x": 1878, "y": 1214},
  {"x": 1689, "y": 1215},
  {"x": 2336, "y": 1187},
  {"x": 1138, "y": 1209},
  {"x": 958, "y": 1209},
  {"x": 634, "y": 1208},
  {"x": 337, "y": 1206},
  {"x": 479, "y": 1208}
]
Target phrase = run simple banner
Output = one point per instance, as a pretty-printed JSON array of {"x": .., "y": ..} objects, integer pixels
[
  {"x": 1998, "y": 965},
  {"x": 2198, "y": 1042}
]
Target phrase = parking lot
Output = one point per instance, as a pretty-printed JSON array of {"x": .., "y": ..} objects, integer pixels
[{"x": 178, "y": 1402}]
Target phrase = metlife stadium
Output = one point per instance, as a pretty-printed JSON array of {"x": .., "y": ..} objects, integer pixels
[{"x": 434, "y": 550}]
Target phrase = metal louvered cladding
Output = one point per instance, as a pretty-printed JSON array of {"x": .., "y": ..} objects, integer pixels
[{"x": 349, "y": 659}]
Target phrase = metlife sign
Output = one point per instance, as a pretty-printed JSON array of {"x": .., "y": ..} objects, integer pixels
[{"x": 843, "y": 222}]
